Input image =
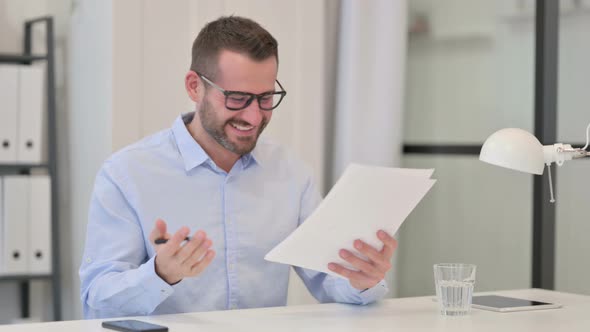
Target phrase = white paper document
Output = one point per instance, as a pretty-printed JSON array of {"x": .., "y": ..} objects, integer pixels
[{"x": 364, "y": 200}]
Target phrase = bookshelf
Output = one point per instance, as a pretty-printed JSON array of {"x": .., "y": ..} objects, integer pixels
[{"x": 28, "y": 58}]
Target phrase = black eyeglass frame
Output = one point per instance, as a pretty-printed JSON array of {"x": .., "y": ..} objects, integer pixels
[{"x": 250, "y": 96}]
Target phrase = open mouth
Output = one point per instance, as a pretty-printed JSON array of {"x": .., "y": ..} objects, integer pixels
[{"x": 243, "y": 128}]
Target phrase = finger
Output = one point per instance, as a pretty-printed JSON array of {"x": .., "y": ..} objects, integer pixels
[
  {"x": 389, "y": 243},
  {"x": 358, "y": 280},
  {"x": 201, "y": 265},
  {"x": 352, "y": 276},
  {"x": 173, "y": 245},
  {"x": 198, "y": 254},
  {"x": 159, "y": 230},
  {"x": 376, "y": 257},
  {"x": 358, "y": 263},
  {"x": 161, "y": 226},
  {"x": 191, "y": 246}
]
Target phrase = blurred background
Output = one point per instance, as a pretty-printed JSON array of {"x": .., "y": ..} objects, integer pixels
[{"x": 405, "y": 83}]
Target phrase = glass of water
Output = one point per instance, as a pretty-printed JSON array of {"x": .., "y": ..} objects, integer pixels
[{"x": 454, "y": 288}]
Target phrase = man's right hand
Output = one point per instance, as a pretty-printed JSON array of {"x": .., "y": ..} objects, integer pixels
[{"x": 175, "y": 261}]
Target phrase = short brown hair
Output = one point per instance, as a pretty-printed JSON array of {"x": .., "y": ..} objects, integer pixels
[{"x": 233, "y": 33}]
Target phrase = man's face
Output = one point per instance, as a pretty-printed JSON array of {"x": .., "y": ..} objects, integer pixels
[{"x": 237, "y": 131}]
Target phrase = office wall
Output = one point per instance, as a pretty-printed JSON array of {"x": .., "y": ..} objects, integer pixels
[
  {"x": 470, "y": 73},
  {"x": 90, "y": 83},
  {"x": 572, "y": 270}
]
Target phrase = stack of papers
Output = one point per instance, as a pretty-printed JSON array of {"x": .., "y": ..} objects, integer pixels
[{"x": 364, "y": 200}]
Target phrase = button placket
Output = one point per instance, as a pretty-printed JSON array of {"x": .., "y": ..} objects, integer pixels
[{"x": 231, "y": 241}]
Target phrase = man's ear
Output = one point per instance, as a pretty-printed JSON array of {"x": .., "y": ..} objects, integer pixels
[{"x": 194, "y": 86}]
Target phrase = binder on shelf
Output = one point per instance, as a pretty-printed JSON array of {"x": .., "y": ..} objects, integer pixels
[
  {"x": 15, "y": 225},
  {"x": 40, "y": 225},
  {"x": 31, "y": 117},
  {"x": 9, "y": 83}
]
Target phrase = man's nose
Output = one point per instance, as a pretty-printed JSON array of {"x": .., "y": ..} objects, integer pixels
[{"x": 252, "y": 114}]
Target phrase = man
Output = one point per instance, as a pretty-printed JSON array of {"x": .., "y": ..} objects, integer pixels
[{"x": 209, "y": 172}]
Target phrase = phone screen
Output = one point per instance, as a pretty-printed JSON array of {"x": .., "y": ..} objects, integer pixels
[{"x": 130, "y": 325}]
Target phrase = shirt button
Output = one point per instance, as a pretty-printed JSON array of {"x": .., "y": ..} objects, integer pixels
[
  {"x": 233, "y": 306},
  {"x": 88, "y": 260},
  {"x": 231, "y": 266}
]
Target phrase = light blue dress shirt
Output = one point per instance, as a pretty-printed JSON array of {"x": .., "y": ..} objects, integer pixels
[{"x": 245, "y": 212}]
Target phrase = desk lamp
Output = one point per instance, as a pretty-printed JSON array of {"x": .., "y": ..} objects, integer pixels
[{"x": 519, "y": 150}]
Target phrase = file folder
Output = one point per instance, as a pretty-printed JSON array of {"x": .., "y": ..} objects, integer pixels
[
  {"x": 15, "y": 224},
  {"x": 9, "y": 83},
  {"x": 40, "y": 225},
  {"x": 31, "y": 117}
]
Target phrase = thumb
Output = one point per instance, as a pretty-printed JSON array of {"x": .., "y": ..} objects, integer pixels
[{"x": 159, "y": 230}]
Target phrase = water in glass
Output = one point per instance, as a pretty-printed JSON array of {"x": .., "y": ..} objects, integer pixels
[{"x": 455, "y": 297}]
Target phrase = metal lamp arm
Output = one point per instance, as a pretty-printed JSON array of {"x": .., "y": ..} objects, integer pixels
[{"x": 558, "y": 153}]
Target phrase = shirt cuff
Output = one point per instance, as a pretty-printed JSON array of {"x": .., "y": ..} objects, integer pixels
[
  {"x": 374, "y": 293},
  {"x": 152, "y": 282}
]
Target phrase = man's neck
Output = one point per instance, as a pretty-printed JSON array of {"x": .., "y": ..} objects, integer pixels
[{"x": 221, "y": 156}]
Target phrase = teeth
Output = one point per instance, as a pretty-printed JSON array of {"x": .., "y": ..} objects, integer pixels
[{"x": 240, "y": 127}]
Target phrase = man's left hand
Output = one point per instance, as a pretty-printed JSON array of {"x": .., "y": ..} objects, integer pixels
[{"x": 372, "y": 271}]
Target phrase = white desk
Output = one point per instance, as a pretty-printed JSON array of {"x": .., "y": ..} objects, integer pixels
[{"x": 405, "y": 314}]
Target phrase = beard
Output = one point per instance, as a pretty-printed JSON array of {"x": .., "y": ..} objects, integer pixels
[{"x": 216, "y": 129}]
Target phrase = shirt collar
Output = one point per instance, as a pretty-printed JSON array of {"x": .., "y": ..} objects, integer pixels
[
  {"x": 191, "y": 151},
  {"x": 255, "y": 156}
]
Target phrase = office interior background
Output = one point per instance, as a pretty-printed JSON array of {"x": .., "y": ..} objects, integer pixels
[{"x": 393, "y": 83}]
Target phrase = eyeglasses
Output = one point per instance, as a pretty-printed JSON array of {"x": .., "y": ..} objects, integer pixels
[{"x": 238, "y": 100}]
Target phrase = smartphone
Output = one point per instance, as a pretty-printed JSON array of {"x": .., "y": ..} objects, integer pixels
[
  {"x": 509, "y": 304},
  {"x": 130, "y": 325}
]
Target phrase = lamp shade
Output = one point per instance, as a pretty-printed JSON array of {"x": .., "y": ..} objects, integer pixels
[{"x": 515, "y": 149}]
